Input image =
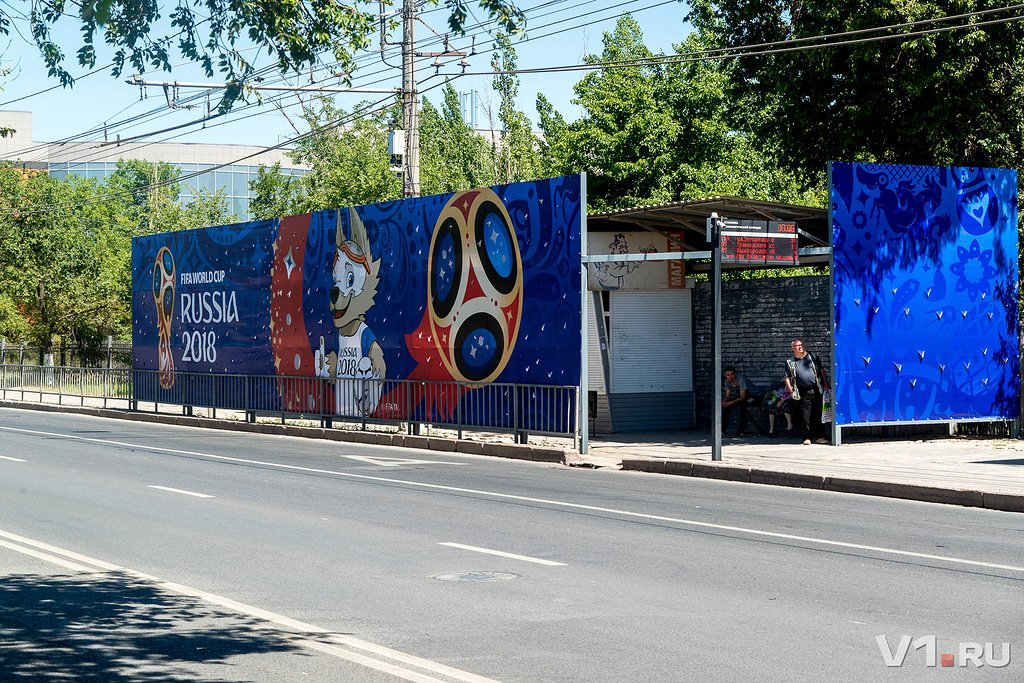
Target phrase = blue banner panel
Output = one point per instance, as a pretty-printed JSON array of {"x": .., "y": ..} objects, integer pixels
[
  {"x": 391, "y": 310},
  {"x": 925, "y": 285}
]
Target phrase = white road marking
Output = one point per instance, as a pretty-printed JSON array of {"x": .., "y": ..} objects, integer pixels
[
  {"x": 307, "y": 635},
  {"x": 181, "y": 491},
  {"x": 46, "y": 557},
  {"x": 4, "y": 457},
  {"x": 554, "y": 503},
  {"x": 499, "y": 553},
  {"x": 397, "y": 462}
]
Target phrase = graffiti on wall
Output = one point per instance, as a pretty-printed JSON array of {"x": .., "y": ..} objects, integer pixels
[
  {"x": 925, "y": 290},
  {"x": 630, "y": 274}
]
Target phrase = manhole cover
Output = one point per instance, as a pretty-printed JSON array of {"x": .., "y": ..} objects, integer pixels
[{"x": 479, "y": 577}]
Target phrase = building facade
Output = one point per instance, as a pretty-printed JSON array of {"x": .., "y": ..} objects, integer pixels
[{"x": 236, "y": 164}]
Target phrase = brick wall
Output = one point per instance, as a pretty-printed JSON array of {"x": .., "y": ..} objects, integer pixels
[{"x": 759, "y": 319}]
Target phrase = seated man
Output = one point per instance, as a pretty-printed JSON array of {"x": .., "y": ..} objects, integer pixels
[{"x": 735, "y": 392}]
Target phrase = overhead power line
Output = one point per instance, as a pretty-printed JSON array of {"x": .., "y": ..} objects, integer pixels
[
  {"x": 270, "y": 74},
  {"x": 854, "y": 37},
  {"x": 790, "y": 45},
  {"x": 372, "y": 108}
]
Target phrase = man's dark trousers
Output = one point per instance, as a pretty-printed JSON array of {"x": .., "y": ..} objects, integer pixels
[{"x": 810, "y": 412}]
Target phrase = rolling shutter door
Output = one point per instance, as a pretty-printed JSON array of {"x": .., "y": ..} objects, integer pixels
[
  {"x": 651, "y": 342},
  {"x": 595, "y": 372}
]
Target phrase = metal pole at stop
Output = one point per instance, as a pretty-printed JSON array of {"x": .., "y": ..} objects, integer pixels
[{"x": 714, "y": 230}]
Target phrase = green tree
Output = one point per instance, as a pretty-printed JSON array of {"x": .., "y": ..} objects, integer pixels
[
  {"x": 142, "y": 188},
  {"x": 65, "y": 247},
  {"x": 554, "y": 139},
  {"x": 217, "y": 33},
  {"x": 942, "y": 98},
  {"x": 654, "y": 132},
  {"x": 626, "y": 139},
  {"x": 452, "y": 155},
  {"x": 205, "y": 209},
  {"x": 274, "y": 193},
  {"x": 60, "y": 266},
  {"x": 714, "y": 152},
  {"x": 349, "y": 164},
  {"x": 147, "y": 195},
  {"x": 516, "y": 152}
]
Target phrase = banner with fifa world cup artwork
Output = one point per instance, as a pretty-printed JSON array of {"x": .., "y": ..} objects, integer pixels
[
  {"x": 398, "y": 310},
  {"x": 925, "y": 293}
]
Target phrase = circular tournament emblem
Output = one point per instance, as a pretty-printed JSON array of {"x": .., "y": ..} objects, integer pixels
[{"x": 474, "y": 286}]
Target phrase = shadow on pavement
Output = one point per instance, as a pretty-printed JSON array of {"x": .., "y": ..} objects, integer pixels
[
  {"x": 1015, "y": 461},
  {"x": 113, "y": 627}
]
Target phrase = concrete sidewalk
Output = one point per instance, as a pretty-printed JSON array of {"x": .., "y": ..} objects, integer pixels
[{"x": 977, "y": 472}]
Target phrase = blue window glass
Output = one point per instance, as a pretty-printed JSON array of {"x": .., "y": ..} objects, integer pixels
[
  {"x": 206, "y": 180},
  {"x": 240, "y": 207}
]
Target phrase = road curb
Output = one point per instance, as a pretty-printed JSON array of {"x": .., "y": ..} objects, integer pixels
[
  {"x": 1005, "y": 502},
  {"x": 497, "y": 450}
]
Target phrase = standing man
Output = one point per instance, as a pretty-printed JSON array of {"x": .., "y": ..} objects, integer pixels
[
  {"x": 734, "y": 394},
  {"x": 806, "y": 379}
]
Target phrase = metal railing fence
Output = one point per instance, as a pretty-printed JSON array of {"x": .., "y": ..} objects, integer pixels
[
  {"x": 514, "y": 408},
  {"x": 38, "y": 382},
  {"x": 108, "y": 354}
]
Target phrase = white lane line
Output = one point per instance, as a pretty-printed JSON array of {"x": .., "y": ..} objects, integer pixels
[
  {"x": 307, "y": 635},
  {"x": 369, "y": 662},
  {"x": 554, "y": 503},
  {"x": 181, "y": 491},
  {"x": 46, "y": 557},
  {"x": 4, "y": 457},
  {"x": 499, "y": 553}
]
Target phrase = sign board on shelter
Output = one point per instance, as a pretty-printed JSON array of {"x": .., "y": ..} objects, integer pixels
[{"x": 759, "y": 243}]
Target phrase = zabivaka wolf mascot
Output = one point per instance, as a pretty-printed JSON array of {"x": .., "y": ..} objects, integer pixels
[{"x": 357, "y": 368}]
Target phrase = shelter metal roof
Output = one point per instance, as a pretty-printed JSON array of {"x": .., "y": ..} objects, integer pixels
[{"x": 687, "y": 220}]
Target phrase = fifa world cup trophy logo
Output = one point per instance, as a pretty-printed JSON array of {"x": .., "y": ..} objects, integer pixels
[{"x": 163, "y": 292}]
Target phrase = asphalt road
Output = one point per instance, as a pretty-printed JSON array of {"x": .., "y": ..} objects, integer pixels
[{"x": 143, "y": 552}]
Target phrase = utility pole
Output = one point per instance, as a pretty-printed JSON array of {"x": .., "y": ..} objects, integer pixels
[
  {"x": 410, "y": 115},
  {"x": 410, "y": 139},
  {"x": 154, "y": 197},
  {"x": 410, "y": 96}
]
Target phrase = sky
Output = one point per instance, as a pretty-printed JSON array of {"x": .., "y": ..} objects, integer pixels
[{"x": 559, "y": 32}]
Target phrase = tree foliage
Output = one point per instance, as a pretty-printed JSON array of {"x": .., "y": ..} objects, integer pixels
[
  {"x": 940, "y": 98},
  {"x": 551, "y": 147},
  {"x": 515, "y": 149},
  {"x": 452, "y": 155},
  {"x": 65, "y": 247},
  {"x": 349, "y": 164},
  {"x": 274, "y": 193},
  {"x": 216, "y": 34},
  {"x": 59, "y": 267},
  {"x": 654, "y": 133},
  {"x": 625, "y": 140}
]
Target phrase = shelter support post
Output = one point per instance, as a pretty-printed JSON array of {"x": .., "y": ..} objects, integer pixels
[
  {"x": 584, "y": 398},
  {"x": 715, "y": 231}
]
